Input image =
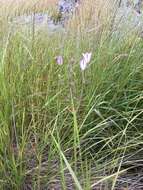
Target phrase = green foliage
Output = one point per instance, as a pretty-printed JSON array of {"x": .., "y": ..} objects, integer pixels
[{"x": 58, "y": 130}]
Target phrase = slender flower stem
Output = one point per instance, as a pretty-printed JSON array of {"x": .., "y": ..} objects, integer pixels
[{"x": 83, "y": 77}]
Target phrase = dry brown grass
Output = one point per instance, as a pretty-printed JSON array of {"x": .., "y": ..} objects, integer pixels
[
  {"x": 92, "y": 14},
  {"x": 12, "y": 7}
]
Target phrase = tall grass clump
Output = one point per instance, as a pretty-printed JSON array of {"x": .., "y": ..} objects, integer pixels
[{"x": 62, "y": 127}]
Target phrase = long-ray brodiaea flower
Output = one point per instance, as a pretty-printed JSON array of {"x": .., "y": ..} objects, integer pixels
[
  {"x": 59, "y": 60},
  {"x": 85, "y": 60}
]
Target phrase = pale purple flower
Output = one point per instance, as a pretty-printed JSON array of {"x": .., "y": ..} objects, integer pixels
[
  {"x": 85, "y": 60},
  {"x": 59, "y": 60}
]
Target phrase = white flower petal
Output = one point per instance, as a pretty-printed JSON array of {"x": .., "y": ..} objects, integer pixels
[
  {"x": 83, "y": 64},
  {"x": 87, "y": 57}
]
